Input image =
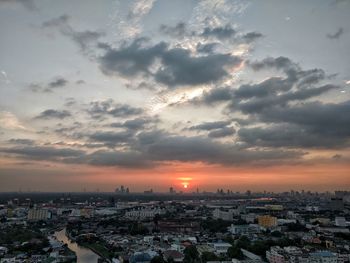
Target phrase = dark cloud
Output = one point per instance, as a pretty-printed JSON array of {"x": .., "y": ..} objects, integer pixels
[
  {"x": 111, "y": 138},
  {"x": 57, "y": 21},
  {"x": 150, "y": 148},
  {"x": 56, "y": 83},
  {"x": 54, "y": 114},
  {"x": 327, "y": 118},
  {"x": 84, "y": 39},
  {"x": 288, "y": 135},
  {"x": 100, "y": 109},
  {"x": 42, "y": 152},
  {"x": 337, "y": 34},
  {"x": 215, "y": 95},
  {"x": 207, "y": 126},
  {"x": 21, "y": 141},
  {"x": 160, "y": 146},
  {"x": 282, "y": 63},
  {"x": 223, "y": 132},
  {"x": 259, "y": 101},
  {"x": 222, "y": 33},
  {"x": 135, "y": 124},
  {"x": 251, "y": 36},
  {"x": 131, "y": 60},
  {"x": 178, "y": 66},
  {"x": 126, "y": 159},
  {"x": 206, "y": 48},
  {"x": 177, "y": 31},
  {"x": 305, "y": 125}
]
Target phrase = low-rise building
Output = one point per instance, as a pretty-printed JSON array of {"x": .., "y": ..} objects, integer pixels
[{"x": 267, "y": 221}]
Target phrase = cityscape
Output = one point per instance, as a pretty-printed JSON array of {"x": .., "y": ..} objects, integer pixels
[
  {"x": 222, "y": 226},
  {"x": 174, "y": 131}
]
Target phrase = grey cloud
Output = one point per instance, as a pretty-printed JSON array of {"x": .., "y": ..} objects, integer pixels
[
  {"x": 223, "y": 132},
  {"x": 218, "y": 95},
  {"x": 282, "y": 63},
  {"x": 221, "y": 33},
  {"x": 42, "y": 152},
  {"x": 287, "y": 135},
  {"x": 326, "y": 118},
  {"x": 82, "y": 38},
  {"x": 150, "y": 148},
  {"x": 127, "y": 159},
  {"x": 29, "y": 4},
  {"x": 337, "y": 34},
  {"x": 207, "y": 126},
  {"x": 111, "y": 138},
  {"x": 57, "y": 21},
  {"x": 130, "y": 60},
  {"x": 164, "y": 147},
  {"x": 251, "y": 36},
  {"x": 22, "y": 141},
  {"x": 178, "y": 66},
  {"x": 265, "y": 88},
  {"x": 135, "y": 124},
  {"x": 53, "y": 114},
  {"x": 100, "y": 109},
  {"x": 56, "y": 83},
  {"x": 258, "y": 102},
  {"x": 177, "y": 31},
  {"x": 206, "y": 48},
  {"x": 313, "y": 124}
]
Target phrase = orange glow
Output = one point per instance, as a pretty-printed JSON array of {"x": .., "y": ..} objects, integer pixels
[
  {"x": 185, "y": 181},
  {"x": 63, "y": 177}
]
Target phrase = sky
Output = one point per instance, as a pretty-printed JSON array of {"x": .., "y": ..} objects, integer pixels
[{"x": 151, "y": 94}]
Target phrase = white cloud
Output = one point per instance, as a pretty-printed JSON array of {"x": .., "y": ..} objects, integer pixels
[{"x": 9, "y": 121}]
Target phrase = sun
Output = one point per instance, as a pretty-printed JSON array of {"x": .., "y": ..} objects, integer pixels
[{"x": 185, "y": 184}]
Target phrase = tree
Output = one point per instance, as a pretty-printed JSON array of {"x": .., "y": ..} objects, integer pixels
[
  {"x": 243, "y": 242},
  {"x": 235, "y": 252},
  {"x": 191, "y": 254},
  {"x": 208, "y": 256},
  {"x": 157, "y": 259}
]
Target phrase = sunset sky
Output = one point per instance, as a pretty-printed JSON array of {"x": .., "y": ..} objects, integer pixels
[{"x": 157, "y": 93}]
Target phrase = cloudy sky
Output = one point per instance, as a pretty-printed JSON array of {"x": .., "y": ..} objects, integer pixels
[{"x": 154, "y": 93}]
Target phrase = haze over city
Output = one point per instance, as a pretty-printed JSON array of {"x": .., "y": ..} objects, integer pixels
[{"x": 153, "y": 94}]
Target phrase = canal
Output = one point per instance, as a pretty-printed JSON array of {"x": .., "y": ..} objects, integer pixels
[{"x": 84, "y": 255}]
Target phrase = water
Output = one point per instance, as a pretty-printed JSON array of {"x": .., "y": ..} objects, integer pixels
[{"x": 84, "y": 255}]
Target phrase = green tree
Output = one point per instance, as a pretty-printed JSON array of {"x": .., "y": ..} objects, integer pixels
[
  {"x": 208, "y": 256},
  {"x": 191, "y": 254},
  {"x": 235, "y": 252},
  {"x": 157, "y": 259}
]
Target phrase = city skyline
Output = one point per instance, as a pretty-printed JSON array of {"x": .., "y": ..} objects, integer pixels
[{"x": 187, "y": 94}]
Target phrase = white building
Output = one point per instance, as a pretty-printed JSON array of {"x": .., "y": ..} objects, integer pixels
[
  {"x": 224, "y": 215},
  {"x": 144, "y": 213},
  {"x": 340, "y": 221},
  {"x": 221, "y": 247},
  {"x": 244, "y": 229}
]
